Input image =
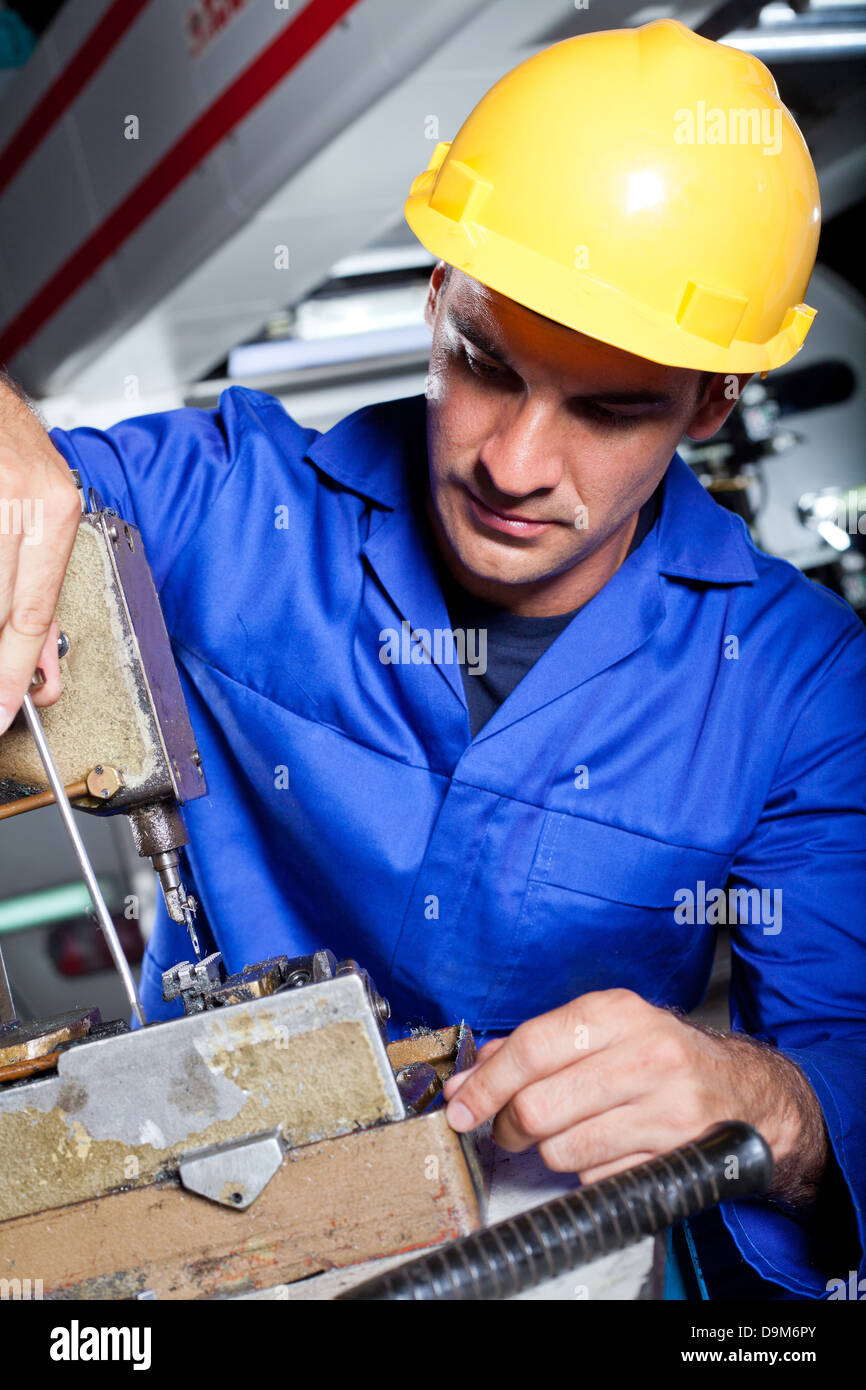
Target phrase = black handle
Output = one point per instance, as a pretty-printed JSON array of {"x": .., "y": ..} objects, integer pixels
[{"x": 730, "y": 1160}]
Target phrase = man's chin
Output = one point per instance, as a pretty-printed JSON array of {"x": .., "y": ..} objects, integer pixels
[{"x": 510, "y": 575}]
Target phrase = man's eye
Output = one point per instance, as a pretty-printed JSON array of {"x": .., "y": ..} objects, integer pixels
[
  {"x": 479, "y": 367},
  {"x": 608, "y": 417}
]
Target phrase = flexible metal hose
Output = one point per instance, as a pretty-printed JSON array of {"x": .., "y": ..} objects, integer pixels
[{"x": 730, "y": 1160}]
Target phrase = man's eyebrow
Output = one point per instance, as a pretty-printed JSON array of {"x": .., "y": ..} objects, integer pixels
[
  {"x": 656, "y": 398},
  {"x": 660, "y": 399},
  {"x": 476, "y": 336}
]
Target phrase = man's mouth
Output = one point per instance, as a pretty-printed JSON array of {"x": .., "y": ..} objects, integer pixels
[{"x": 510, "y": 523}]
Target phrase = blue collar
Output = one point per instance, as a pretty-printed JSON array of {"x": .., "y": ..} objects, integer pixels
[{"x": 372, "y": 451}]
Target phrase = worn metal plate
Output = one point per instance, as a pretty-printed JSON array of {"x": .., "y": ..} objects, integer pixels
[{"x": 120, "y": 1111}]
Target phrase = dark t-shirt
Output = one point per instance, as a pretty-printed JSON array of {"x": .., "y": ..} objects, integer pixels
[{"x": 513, "y": 642}]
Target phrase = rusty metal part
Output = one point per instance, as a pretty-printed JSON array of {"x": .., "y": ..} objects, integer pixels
[
  {"x": 181, "y": 905},
  {"x": 436, "y": 1046},
  {"x": 31, "y": 1066},
  {"x": 254, "y": 982},
  {"x": 157, "y": 828},
  {"x": 159, "y": 832},
  {"x": 103, "y": 782},
  {"x": 419, "y": 1085},
  {"x": 21, "y": 1042},
  {"x": 74, "y": 791},
  {"x": 192, "y": 984},
  {"x": 201, "y": 986}
]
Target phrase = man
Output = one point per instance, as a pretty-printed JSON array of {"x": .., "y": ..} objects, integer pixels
[{"x": 652, "y": 725}]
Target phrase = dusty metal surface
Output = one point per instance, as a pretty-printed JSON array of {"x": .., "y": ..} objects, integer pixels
[
  {"x": 120, "y": 1111},
  {"x": 122, "y": 707},
  {"x": 103, "y": 716},
  {"x": 394, "y": 1188}
]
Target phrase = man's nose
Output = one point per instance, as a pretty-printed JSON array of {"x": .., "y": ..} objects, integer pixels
[{"x": 524, "y": 453}]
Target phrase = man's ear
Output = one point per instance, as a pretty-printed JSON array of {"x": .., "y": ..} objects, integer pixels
[
  {"x": 715, "y": 405},
  {"x": 436, "y": 278}
]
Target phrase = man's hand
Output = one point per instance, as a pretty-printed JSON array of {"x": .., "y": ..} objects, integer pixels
[
  {"x": 608, "y": 1081},
  {"x": 39, "y": 513}
]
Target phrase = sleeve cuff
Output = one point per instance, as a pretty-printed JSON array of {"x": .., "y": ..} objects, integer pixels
[{"x": 794, "y": 1252}]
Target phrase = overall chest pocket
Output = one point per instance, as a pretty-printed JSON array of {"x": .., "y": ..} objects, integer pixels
[{"x": 599, "y": 912}]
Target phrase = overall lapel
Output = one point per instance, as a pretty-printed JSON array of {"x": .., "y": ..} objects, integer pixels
[{"x": 380, "y": 452}]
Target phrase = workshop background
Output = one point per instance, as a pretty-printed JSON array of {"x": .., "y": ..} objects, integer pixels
[{"x": 196, "y": 193}]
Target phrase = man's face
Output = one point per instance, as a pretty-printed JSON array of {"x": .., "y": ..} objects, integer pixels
[{"x": 543, "y": 444}]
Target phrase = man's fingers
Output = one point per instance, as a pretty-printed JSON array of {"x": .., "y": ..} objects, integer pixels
[
  {"x": 651, "y": 1124},
  {"x": 10, "y": 545},
  {"x": 49, "y": 665},
  {"x": 536, "y": 1049},
  {"x": 22, "y": 642},
  {"x": 597, "y": 1144},
  {"x": 607, "y": 1170},
  {"x": 41, "y": 559},
  {"x": 591, "y": 1087},
  {"x": 453, "y": 1084}
]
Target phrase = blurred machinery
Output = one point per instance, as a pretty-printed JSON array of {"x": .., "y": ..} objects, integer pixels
[{"x": 731, "y": 466}]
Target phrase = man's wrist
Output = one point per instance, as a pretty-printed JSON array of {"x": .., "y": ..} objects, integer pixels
[
  {"x": 780, "y": 1102},
  {"x": 802, "y": 1146}
]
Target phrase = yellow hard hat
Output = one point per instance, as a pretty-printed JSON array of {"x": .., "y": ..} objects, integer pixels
[{"x": 644, "y": 186}]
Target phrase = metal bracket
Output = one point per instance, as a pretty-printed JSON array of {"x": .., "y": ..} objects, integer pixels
[{"x": 233, "y": 1174}]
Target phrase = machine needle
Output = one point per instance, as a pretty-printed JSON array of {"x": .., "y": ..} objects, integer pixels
[{"x": 63, "y": 806}]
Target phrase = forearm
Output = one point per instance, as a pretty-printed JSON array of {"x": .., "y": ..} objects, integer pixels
[{"x": 20, "y": 423}]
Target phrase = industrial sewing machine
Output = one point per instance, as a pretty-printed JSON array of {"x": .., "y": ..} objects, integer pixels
[{"x": 271, "y": 1132}]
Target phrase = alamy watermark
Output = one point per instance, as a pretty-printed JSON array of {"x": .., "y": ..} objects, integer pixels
[
  {"x": 718, "y": 906},
  {"x": 77, "y": 1343},
  {"x": 441, "y": 646},
  {"x": 22, "y": 516},
  {"x": 728, "y": 126},
  {"x": 20, "y": 1289}
]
